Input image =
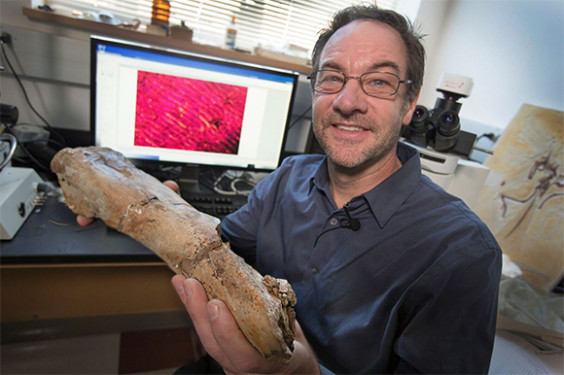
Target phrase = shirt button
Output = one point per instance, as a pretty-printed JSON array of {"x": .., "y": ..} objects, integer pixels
[
  {"x": 314, "y": 269},
  {"x": 333, "y": 221}
]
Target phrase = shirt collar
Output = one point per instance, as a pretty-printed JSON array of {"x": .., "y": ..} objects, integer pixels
[
  {"x": 387, "y": 197},
  {"x": 320, "y": 179}
]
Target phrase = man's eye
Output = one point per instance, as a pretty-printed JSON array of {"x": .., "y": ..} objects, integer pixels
[
  {"x": 379, "y": 83},
  {"x": 331, "y": 78}
]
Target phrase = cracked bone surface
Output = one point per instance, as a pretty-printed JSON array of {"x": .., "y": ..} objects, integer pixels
[{"x": 101, "y": 183}]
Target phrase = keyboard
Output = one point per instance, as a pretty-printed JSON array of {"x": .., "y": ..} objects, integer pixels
[{"x": 217, "y": 205}]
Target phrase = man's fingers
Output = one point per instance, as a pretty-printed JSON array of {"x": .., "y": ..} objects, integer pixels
[
  {"x": 173, "y": 185},
  {"x": 217, "y": 329},
  {"x": 84, "y": 221},
  {"x": 233, "y": 343},
  {"x": 178, "y": 284},
  {"x": 194, "y": 298},
  {"x": 221, "y": 337}
]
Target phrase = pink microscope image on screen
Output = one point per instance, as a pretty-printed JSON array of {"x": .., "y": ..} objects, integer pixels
[{"x": 188, "y": 114}]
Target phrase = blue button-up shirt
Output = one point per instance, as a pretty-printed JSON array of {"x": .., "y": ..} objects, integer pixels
[{"x": 414, "y": 289}]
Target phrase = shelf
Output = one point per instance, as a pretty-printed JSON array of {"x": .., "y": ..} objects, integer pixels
[{"x": 117, "y": 32}]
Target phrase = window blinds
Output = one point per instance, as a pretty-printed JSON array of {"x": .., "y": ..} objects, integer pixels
[{"x": 272, "y": 24}]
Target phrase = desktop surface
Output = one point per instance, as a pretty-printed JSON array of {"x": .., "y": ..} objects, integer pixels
[{"x": 51, "y": 235}]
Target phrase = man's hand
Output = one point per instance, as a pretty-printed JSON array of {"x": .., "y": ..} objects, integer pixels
[
  {"x": 84, "y": 221},
  {"x": 224, "y": 341}
]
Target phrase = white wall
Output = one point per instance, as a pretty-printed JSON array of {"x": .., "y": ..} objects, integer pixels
[
  {"x": 513, "y": 50},
  {"x": 53, "y": 63}
]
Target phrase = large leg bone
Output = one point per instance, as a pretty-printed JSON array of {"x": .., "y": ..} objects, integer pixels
[{"x": 101, "y": 183}]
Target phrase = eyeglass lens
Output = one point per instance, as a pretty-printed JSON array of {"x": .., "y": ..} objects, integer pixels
[{"x": 372, "y": 83}]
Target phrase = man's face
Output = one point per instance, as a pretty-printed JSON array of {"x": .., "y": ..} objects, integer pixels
[{"x": 353, "y": 128}]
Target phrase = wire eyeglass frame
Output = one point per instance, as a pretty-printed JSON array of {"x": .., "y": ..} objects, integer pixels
[{"x": 362, "y": 79}]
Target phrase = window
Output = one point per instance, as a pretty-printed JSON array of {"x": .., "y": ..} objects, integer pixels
[{"x": 272, "y": 24}]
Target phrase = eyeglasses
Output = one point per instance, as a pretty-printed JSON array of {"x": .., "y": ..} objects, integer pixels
[{"x": 377, "y": 84}]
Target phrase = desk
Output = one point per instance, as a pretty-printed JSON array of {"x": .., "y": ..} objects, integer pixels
[{"x": 55, "y": 269}]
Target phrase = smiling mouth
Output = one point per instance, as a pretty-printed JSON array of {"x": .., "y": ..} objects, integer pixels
[{"x": 349, "y": 128}]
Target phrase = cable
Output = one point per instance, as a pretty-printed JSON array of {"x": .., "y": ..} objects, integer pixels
[
  {"x": 13, "y": 143},
  {"x": 28, "y": 154},
  {"x": 299, "y": 118},
  {"x": 49, "y": 127},
  {"x": 226, "y": 183}
]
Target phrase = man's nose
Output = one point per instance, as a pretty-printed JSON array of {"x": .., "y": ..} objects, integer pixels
[{"x": 351, "y": 98}]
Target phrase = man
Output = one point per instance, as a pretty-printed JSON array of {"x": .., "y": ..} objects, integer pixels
[{"x": 391, "y": 273}]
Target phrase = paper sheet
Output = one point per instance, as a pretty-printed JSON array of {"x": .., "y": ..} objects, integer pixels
[{"x": 512, "y": 354}]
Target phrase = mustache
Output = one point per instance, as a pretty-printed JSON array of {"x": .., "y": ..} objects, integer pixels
[{"x": 354, "y": 119}]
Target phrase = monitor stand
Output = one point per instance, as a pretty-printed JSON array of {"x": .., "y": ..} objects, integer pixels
[{"x": 189, "y": 179}]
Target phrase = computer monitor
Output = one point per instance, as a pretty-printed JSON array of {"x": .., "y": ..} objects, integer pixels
[{"x": 172, "y": 106}]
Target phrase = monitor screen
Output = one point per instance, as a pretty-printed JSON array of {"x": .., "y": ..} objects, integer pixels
[{"x": 171, "y": 106}]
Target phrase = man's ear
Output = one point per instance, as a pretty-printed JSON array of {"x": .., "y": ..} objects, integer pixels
[{"x": 410, "y": 108}]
